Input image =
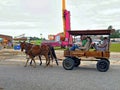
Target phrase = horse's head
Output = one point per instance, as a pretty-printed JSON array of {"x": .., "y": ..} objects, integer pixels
[{"x": 23, "y": 45}]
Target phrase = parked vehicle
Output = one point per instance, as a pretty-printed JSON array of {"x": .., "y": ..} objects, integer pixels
[{"x": 97, "y": 42}]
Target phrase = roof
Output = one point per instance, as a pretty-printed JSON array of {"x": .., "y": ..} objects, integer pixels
[
  {"x": 6, "y": 36},
  {"x": 22, "y": 38},
  {"x": 91, "y": 32}
]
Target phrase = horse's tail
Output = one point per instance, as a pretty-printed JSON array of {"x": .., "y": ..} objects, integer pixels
[{"x": 51, "y": 54}]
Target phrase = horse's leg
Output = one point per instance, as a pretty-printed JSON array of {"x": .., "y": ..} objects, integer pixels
[
  {"x": 54, "y": 55},
  {"x": 27, "y": 57},
  {"x": 40, "y": 60},
  {"x": 47, "y": 60},
  {"x": 34, "y": 62},
  {"x": 26, "y": 62},
  {"x": 31, "y": 62},
  {"x": 52, "y": 61},
  {"x": 56, "y": 61},
  {"x": 50, "y": 57},
  {"x": 51, "y": 54}
]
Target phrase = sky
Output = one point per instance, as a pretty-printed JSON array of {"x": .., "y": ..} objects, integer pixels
[{"x": 35, "y": 17}]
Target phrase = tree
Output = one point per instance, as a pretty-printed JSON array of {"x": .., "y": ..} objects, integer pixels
[{"x": 116, "y": 34}]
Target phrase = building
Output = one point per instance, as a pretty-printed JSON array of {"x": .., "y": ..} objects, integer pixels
[{"x": 6, "y": 38}]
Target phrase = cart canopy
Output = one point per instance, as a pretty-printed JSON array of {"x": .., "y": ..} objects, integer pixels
[{"x": 91, "y": 32}]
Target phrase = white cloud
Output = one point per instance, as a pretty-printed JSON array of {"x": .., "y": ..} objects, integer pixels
[
  {"x": 88, "y": 14},
  {"x": 44, "y": 16}
]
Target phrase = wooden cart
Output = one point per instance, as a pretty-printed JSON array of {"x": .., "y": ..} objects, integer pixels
[{"x": 73, "y": 58}]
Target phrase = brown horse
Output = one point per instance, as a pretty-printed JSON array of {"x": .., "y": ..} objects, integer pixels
[
  {"x": 37, "y": 50},
  {"x": 53, "y": 53},
  {"x": 27, "y": 46}
]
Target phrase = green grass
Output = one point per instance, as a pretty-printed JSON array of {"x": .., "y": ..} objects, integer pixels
[
  {"x": 115, "y": 47},
  {"x": 57, "y": 48},
  {"x": 36, "y": 42}
]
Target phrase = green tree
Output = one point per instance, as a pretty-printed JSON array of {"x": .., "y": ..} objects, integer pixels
[{"x": 116, "y": 34}]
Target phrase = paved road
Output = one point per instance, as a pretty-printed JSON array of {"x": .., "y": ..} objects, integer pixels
[
  {"x": 13, "y": 76},
  {"x": 86, "y": 77}
]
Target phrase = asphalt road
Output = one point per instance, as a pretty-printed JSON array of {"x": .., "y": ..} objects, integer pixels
[
  {"x": 14, "y": 76},
  {"x": 86, "y": 77}
]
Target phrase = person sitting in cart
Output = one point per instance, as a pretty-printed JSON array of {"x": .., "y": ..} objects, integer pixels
[
  {"x": 103, "y": 46},
  {"x": 87, "y": 46},
  {"x": 85, "y": 43}
]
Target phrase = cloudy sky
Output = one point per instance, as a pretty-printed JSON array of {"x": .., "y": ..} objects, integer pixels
[{"x": 33, "y": 17}]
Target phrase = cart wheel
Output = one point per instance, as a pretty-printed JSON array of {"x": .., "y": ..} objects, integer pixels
[
  {"x": 68, "y": 64},
  {"x": 103, "y": 65},
  {"x": 108, "y": 62},
  {"x": 77, "y": 61}
]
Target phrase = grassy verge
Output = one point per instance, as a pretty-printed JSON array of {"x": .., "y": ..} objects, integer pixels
[{"x": 115, "y": 47}]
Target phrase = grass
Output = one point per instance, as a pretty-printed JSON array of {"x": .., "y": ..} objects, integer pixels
[
  {"x": 36, "y": 42},
  {"x": 115, "y": 47}
]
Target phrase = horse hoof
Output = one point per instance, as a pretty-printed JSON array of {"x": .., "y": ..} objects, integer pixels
[
  {"x": 34, "y": 66},
  {"x": 57, "y": 64},
  {"x": 45, "y": 66},
  {"x": 51, "y": 65},
  {"x": 40, "y": 64}
]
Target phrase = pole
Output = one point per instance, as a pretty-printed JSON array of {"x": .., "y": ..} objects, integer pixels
[{"x": 63, "y": 9}]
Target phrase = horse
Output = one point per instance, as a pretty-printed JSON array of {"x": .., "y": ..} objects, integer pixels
[
  {"x": 37, "y": 50},
  {"x": 27, "y": 46},
  {"x": 53, "y": 52}
]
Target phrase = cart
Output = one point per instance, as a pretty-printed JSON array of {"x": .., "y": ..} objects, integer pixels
[{"x": 74, "y": 58}]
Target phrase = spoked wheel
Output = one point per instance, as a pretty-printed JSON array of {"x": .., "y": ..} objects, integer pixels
[
  {"x": 68, "y": 64},
  {"x": 103, "y": 65},
  {"x": 77, "y": 61}
]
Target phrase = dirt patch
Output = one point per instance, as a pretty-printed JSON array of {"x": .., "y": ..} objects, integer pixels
[
  {"x": 1, "y": 88},
  {"x": 8, "y": 53},
  {"x": 12, "y": 55}
]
